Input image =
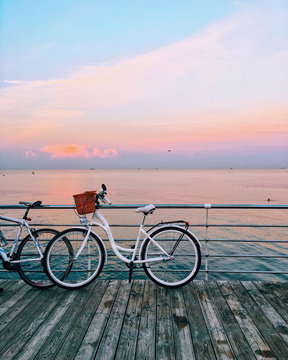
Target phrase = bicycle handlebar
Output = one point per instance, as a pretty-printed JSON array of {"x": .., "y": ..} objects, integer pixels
[{"x": 102, "y": 195}]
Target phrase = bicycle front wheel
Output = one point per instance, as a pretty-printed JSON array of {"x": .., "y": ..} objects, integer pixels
[
  {"x": 178, "y": 254},
  {"x": 78, "y": 265},
  {"x": 31, "y": 267}
]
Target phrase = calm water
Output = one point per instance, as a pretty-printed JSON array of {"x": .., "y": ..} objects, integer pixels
[
  {"x": 170, "y": 187},
  {"x": 146, "y": 186}
]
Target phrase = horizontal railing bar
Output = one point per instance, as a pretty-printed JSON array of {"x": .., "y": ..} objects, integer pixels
[
  {"x": 245, "y": 272},
  {"x": 245, "y": 256},
  {"x": 111, "y": 254},
  {"x": 212, "y": 271},
  {"x": 245, "y": 241},
  {"x": 137, "y": 226},
  {"x": 201, "y": 271},
  {"x": 159, "y": 206},
  {"x": 217, "y": 240},
  {"x": 200, "y": 239},
  {"x": 247, "y": 225}
]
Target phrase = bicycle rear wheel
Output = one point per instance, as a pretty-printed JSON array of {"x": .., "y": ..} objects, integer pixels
[
  {"x": 74, "y": 269},
  {"x": 183, "y": 261},
  {"x": 31, "y": 267}
]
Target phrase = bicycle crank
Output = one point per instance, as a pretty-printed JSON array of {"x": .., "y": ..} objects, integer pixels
[{"x": 10, "y": 267}]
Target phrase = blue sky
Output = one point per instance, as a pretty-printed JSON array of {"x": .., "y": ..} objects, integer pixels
[
  {"x": 60, "y": 35},
  {"x": 118, "y": 83}
]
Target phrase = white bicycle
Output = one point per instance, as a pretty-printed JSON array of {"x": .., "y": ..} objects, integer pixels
[
  {"x": 28, "y": 259},
  {"x": 169, "y": 253}
]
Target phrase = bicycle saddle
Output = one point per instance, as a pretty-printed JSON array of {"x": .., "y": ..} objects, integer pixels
[
  {"x": 31, "y": 204},
  {"x": 148, "y": 209}
]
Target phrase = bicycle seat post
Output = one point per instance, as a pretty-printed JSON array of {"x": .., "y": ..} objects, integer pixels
[
  {"x": 143, "y": 221},
  {"x": 26, "y": 213}
]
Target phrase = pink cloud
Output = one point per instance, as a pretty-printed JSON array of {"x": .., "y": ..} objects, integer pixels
[
  {"x": 66, "y": 151},
  {"x": 76, "y": 150}
]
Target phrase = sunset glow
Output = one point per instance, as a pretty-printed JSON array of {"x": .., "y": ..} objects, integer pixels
[{"x": 214, "y": 85}]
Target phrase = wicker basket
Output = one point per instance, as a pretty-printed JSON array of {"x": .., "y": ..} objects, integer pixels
[{"x": 85, "y": 202}]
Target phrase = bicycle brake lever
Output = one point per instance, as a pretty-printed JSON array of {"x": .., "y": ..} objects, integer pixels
[{"x": 107, "y": 201}]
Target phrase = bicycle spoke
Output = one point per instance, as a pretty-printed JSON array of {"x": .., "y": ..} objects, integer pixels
[
  {"x": 183, "y": 261},
  {"x": 70, "y": 263},
  {"x": 31, "y": 266}
]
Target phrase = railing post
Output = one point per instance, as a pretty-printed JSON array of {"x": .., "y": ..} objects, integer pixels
[{"x": 207, "y": 207}]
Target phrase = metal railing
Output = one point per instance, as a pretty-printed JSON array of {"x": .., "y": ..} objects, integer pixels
[{"x": 215, "y": 237}]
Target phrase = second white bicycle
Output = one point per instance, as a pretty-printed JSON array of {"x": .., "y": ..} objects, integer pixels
[{"x": 169, "y": 253}]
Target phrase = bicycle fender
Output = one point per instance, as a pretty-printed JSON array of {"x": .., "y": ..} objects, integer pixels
[{"x": 96, "y": 235}]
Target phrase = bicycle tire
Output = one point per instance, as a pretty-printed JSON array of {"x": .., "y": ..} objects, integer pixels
[
  {"x": 33, "y": 272},
  {"x": 81, "y": 271},
  {"x": 186, "y": 261}
]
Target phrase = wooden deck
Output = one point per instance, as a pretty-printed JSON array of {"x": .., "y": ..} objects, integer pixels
[{"x": 118, "y": 320}]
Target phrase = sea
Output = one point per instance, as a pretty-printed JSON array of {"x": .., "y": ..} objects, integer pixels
[{"x": 155, "y": 186}]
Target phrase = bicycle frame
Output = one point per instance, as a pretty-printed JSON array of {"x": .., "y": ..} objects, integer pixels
[
  {"x": 116, "y": 248},
  {"x": 22, "y": 223}
]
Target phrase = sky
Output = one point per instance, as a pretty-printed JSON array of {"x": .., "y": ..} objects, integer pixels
[{"x": 143, "y": 84}]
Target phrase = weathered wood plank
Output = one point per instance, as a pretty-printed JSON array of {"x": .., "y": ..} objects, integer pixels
[
  {"x": 142, "y": 321},
  {"x": 72, "y": 342},
  {"x": 147, "y": 331},
  {"x": 268, "y": 332},
  {"x": 279, "y": 289},
  {"x": 18, "y": 302},
  {"x": 28, "y": 321},
  {"x": 280, "y": 303},
  {"x": 259, "y": 346},
  {"x": 34, "y": 344},
  {"x": 234, "y": 333},
  {"x": 218, "y": 336},
  {"x": 270, "y": 312},
  {"x": 182, "y": 335},
  {"x": 164, "y": 332},
  {"x": 201, "y": 340},
  {"x": 13, "y": 291},
  {"x": 109, "y": 342},
  {"x": 59, "y": 333},
  {"x": 97, "y": 326},
  {"x": 2, "y": 281},
  {"x": 129, "y": 334}
]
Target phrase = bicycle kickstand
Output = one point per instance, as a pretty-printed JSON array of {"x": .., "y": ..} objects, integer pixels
[{"x": 131, "y": 267}]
